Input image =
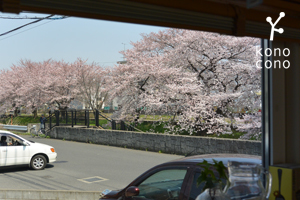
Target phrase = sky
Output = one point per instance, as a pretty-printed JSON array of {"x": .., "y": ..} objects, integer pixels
[{"x": 66, "y": 39}]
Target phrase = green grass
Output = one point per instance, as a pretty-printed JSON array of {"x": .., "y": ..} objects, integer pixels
[
  {"x": 102, "y": 122},
  {"x": 155, "y": 117},
  {"x": 234, "y": 135},
  {"x": 22, "y": 120},
  {"x": 156, "y": 127},
  {"x": 2, "y": 121}
]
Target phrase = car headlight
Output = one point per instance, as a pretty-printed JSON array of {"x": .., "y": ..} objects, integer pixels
[{"x": 105, "y": 192}]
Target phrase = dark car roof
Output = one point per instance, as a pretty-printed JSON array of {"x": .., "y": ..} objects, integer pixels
[{"x": 218, "y": 157}]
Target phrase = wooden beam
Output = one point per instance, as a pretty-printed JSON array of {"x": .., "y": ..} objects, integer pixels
[
  {"x": 283, "y": 5},
  {"x": 123, "y": 19},
  {"x": 204, "y": 6},
  {"x": 10, "y": 6},
  {"x": 234, "y": 9}
]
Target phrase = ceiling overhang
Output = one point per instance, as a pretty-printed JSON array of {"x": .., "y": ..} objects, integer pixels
[{"x": 227, "y": 16}]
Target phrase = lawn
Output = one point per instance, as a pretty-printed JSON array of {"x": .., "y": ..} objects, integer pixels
[
  {"x": 234, "y": 135},
  {"x": 20, "y": 120}
]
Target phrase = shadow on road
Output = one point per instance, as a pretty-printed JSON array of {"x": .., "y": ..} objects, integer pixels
[
  {"x": 60, "y": 161},
  {"x": 20, "y": 168}
]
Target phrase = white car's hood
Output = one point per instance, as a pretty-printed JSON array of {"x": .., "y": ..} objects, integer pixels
[
  {"x": 40, "y": 144},
  {"x": 41, "y": 147}
]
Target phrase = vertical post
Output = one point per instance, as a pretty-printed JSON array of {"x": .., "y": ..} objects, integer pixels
[
  {"x": 50, "y": 124},
  {"x": 122, "y": 125},
  {"x": 292, "y": 96},
  {"x": 75, "y": 118},
  {"x": 57, "y": 117},
  {"x": 66, "y": 117},
  {"x": 72, "y": 118},
  {"x": 113, "y": 125},
  {"x": 266, "y": 108},
  {"x": 97, "y": 118},
  {"x": 136, "y": 120},
  {"x": 88, "y": 119},
  {"x": 85, "y": 121}
]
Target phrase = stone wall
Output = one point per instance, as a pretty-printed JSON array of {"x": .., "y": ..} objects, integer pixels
[{"x": 173, "y": 144}]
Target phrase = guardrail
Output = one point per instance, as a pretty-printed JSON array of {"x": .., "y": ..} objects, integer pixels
[{"x": 15, "y": 127}]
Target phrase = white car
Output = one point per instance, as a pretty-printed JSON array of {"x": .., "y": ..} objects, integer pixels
[{"x": 15, "y": 150}]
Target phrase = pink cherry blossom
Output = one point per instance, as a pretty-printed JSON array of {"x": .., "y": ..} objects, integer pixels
[{"x": 202, "y": 79}]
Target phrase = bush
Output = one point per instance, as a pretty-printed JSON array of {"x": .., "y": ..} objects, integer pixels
[{"x": 152, "y": 126}]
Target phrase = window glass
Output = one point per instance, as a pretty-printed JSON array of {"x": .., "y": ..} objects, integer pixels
[
  {"x": 8, "y": 140},
  {"x": 163, "y": 185},
  {"x": 13, "y": 141},
  {"x": 197, "y": 189}
]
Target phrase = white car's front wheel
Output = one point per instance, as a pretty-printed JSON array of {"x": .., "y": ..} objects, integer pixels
[{"x": 38, "y": 162}]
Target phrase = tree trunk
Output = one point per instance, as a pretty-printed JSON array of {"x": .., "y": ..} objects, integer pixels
[
  {"x": 34, "y": 113},
  {"x": 16, "y": 112}
]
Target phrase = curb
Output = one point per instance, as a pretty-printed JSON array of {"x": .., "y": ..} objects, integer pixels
[{"x": 9, "y": 194}]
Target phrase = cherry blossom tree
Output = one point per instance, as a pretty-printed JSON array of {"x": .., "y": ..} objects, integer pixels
[
  {"x": 201, "y": 78},
  {"x": 62, "y": 83},
  {"x": 4, "y": 101},
  {"x": 34, "y": 90},
  {"x": 55, "y": 83},
  {"x": 205, "y": 81},
  {"x": 33, "y": 84},
  {"x": 251, "y": 124},
  {"x": 91, "y": 83},
  {"x": 10, "y": 84}
]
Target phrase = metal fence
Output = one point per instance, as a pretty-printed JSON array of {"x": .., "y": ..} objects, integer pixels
[{"x": 86, "y": 118}]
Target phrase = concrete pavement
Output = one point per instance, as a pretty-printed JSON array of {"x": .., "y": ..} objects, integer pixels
[{"x": 48, "y": 195}]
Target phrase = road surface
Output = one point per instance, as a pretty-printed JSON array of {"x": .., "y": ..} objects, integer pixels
[{"x": 82, "y": 166}]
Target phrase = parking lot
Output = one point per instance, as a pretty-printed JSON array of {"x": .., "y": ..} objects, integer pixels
[{"x": 83, "y": 167}]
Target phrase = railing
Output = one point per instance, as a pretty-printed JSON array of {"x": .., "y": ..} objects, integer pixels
[
  {"x": 15, "y": 127},
  {"x": 86, "y": 118},
  {"x": 50, "y": 119}
]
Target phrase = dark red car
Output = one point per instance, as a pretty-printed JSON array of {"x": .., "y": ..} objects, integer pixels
[{"x": 174, "y": 180}]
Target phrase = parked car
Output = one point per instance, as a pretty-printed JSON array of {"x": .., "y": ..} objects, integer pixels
[
  {"x": 174, "y": 180},
  {"x": 15, "y": 150}
]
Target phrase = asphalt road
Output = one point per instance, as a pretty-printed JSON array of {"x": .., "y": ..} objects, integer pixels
[{"x": 82, "y": 166}]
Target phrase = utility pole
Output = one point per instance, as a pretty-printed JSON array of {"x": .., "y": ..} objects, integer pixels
[{"x": 123, "y": 61}]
